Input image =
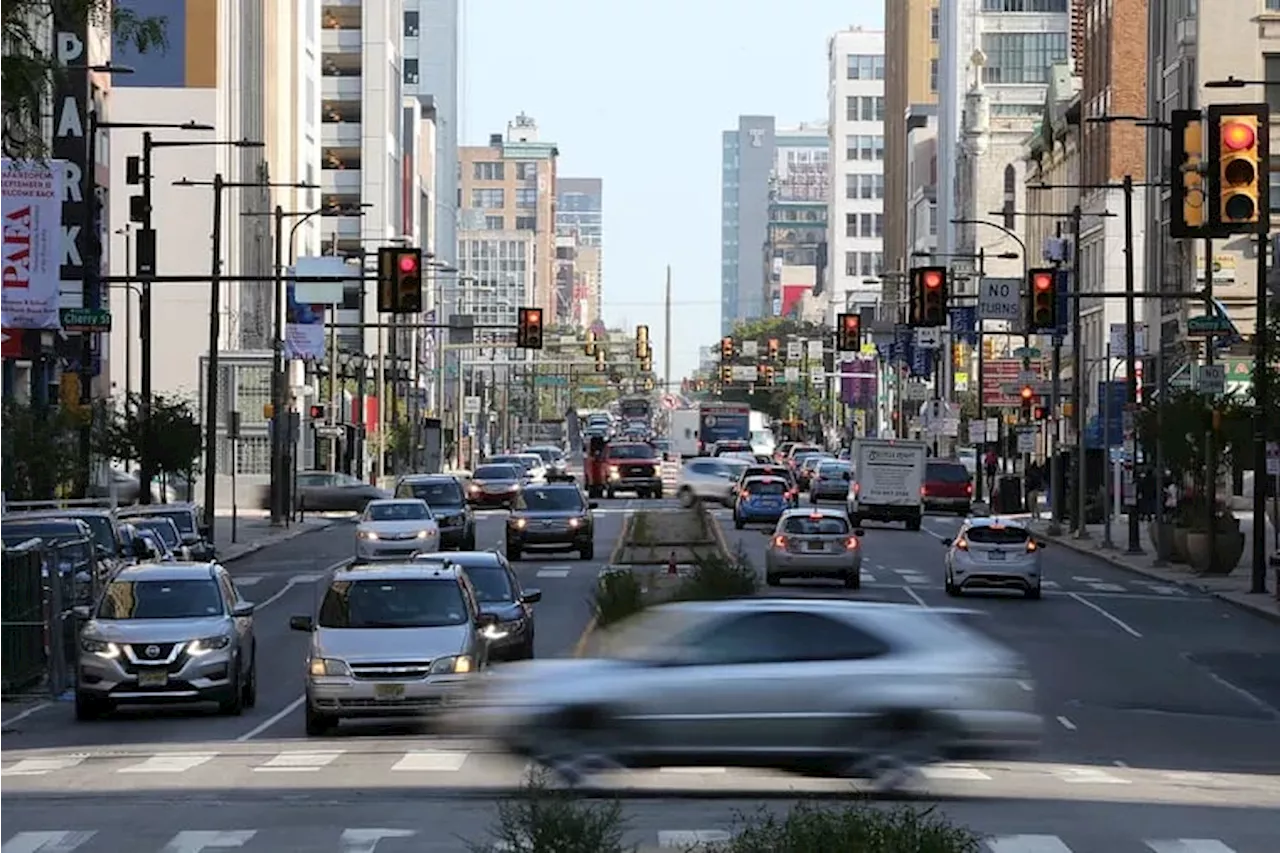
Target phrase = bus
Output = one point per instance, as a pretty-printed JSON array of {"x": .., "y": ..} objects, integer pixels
[
  {"x": 722, "y": 422},
  {"x": 636, "y": 409}
]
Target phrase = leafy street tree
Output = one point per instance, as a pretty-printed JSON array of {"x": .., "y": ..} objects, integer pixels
[
  {"x": 781, "y": 400},
  {"x": 40, "y": 451},
  {"x": 177, "y": 437}
]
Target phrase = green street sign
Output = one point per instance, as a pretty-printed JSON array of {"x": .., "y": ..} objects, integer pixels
[
  {"x": 1208, "y": 324},
  {"x": 1026, "y": 352},
  {"x": 551, "y": 380},
  {"x": 85, "y": 319},
  {"x": 590, "y": 389}
]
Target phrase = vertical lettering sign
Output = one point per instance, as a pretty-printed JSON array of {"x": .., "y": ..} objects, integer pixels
[{"x": 70, "y": 119}]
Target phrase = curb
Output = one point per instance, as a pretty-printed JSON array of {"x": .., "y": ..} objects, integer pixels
[
  {"x": 250, "y": 550},
  {"x": 580, "y": 647},
  {"x": 717, "y": 531}
]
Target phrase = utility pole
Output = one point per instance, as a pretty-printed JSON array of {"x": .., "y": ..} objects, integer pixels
[
  {"x": 666, "y": 334},
  {"x": 1079, "y": 387},
  {"x": 280, "y": 419},
  {"x": 145, "y": 257},
  {"x": 211, "y": 375},
  {"x": 1131, "y": 366},
  {"x": 1262, "y": 401}
]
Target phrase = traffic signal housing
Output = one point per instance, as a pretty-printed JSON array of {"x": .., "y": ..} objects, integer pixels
[
  {"x": 1043, "y": 300},
  {"x": 848, "y": 333},
  {"x": 399, "y": 280},
  {"x": 601, "y": 367},
  {"x": 726, "y": 373},
  {"x": 589, "y": 347},
  {"x": 928, "y": 292},
  {"x": 529, "y": 331},
  {"x": 642, "y": 341},
  {"x": 1028, "y": 395},
  {"x": 1039, "y": 413},
  {"x": 317, "y": 412},
  {"x": 1239, "y": 160},
  {"x": 646, "y": 363},
  {"x": 1187, "y": 206},
  {"x": 770, "y": 374},
  {"x": 726, "y": 348}
]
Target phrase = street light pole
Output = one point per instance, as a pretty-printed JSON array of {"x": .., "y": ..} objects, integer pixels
[
  {"x": 1130, "y": 366},
  {"x": 1079, "y": 387}
]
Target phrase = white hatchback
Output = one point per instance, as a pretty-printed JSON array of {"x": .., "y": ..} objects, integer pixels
[
  {"x": 993, "y": 553},
  {"x": 396, "y": 528}
]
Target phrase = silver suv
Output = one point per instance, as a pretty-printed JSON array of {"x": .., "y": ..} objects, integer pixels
[
  {"x": 167, "y": 632},
  {"x": 391, "y": 640}
]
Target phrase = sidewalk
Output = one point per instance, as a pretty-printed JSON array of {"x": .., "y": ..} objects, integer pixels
[
  {"x": 254, "y": 532},
  {"x": 1233, "y": 588}
]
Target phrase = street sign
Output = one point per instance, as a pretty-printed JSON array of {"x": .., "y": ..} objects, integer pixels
[
  {"x": 794, "y": 351},
  {"x": 977, "y": 432},
  {"x": 1273, "y": 460},
  {"x": 744, "y": 373},
  {"x": 999, "y": 372},
  {"x": 1000, "y": 299},
  {"x": 1026, "y": 352},
  {"x": 928, "y": 338},
  {"x": 328, "y": 431},
  {"x": 815, "y": 350},
  {"x": 1040, "y": 389},
  {"x": 1026, "y": 439},
  {"x": 85, "y": 319},
  {"x": 1211, "y": 379},
  {"x": 551, "y": 380},
  {"x": 915, "y": 392},
  {"x": 1119, "y": 339},
  {"x": 471, "y": 405},
  {"x": 792, "y": 374},
  {"x": 1208, "y": 324},
  {"x": 750, "y": 349}
]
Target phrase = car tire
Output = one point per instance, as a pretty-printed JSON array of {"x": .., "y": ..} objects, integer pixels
[
  {"x": 686, "y": 497},
  {"x": 318, "y": 724},
  {"x": 525, "y": 652},
  {"x": 587, "y": 553},
  {"x": 513, "y": 552},
  {"x": 855, "y": 520},
  {"x": 90, "y": 708},
  {"x": 913, "y": 524},
  {"x": 950, "y": 587},
  {"x": 853, "y": 580},
  {"x": 251, "y": 684},
  {"x": 609, "y": 494},
  {"x": 771, "y": 579},
  {"x": 642, "y": 494},
  {"x": 1033, "y": 593},
  {"x": 738, "y": 523},
  {"x": 233, "y": 705},
  {"x": 657, "y": 493}
]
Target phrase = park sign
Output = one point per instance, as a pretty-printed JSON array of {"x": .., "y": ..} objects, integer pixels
[{"x": 85, "y": 319}]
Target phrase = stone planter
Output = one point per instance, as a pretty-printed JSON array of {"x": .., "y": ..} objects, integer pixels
[
  {"x": 1217, "y": 556},
  {"x": 1178, "y": 551},
  {"x": 1161, "y": 536}
]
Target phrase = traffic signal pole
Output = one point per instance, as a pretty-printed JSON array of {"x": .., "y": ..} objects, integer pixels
[
  {"x": 1131, "y": 367},
  {"x": 1079, "y": 388}
]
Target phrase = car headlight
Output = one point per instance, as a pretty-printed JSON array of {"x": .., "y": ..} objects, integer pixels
[
  {"x": 577, "y": 522},
  {"x": 208, "y": 644},
  {"x": 455, "y": 664},
  {"x": 613, "y": 469},
  {"x": 519, "y": 523},
  {"x": 474, "y": 489},
  {"x": 502, "y": 630},
  {"x": 329, "y": 666},
  {"x": 426, "y": 534},
  {"x": 100, "y": 648},
  {"x": 366, "y": 535}
]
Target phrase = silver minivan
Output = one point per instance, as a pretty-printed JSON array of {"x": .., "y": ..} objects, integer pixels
[{"x": 391, "y": 640}]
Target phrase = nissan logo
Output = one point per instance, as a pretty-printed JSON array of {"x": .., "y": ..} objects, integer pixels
[{"x": 152, "y": 651}]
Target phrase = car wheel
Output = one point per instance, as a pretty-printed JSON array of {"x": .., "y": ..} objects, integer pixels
[
  {"x": 893, "y": 748},
  {"x": 89, "y": 708},
  {"x": 1033, "y": 592},
  {"x": 950, "y": 586},
  {"x": 657, "y": 493},
  {"x": 588, "y": 553},
  {"x": 513, "y": 552},
  {"x": 251, "y": 683},
  {"x": 233, "y": 705},
  {"x": 855, "y": 520},
  {"x": 578, "y": 743},
  {"x": 913, "y": 524},
  {"x": 609, "y": 494},
  {"x": 686, "y": 497},
  {"x": 526, "y": 651},
  {"x": 319, "y": 724},
  {"x": 642, "y": 494},
  {"x": 853, "y": 580}
]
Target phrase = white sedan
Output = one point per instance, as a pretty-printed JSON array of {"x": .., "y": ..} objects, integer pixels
[
  {"x": 993, "y": 553},
  {"x": 396, "y": 528}
]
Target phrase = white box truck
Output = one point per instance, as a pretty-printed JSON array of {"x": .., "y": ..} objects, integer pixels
[{"x": 887, "y": 481}]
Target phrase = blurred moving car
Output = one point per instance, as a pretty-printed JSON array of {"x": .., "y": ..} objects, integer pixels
[
  {"x": 189, "y": 520},
  {"x": 448, "y": 502},
  {"x": 807, "y": 468},
  {"x": 396, "y": 528},
  {"x": 529, "y": 463},
  {"x": 708, "y": 478},
  {"x": 948, "y": 486},
  {"x": 166, "y": 531},
  {"x": 817, "y": 543},
  {"x": 495, "y": 485},
  {"x": 326, "y": 491},
  {"x": 390, "y": 640},
  {"x": 499, "y": 595},
  {"x": 760, "y": 500},
  {"x": 553, "y": 458},
  {"x": 993, "y": 553},
  {"x": 830, "y": 481},
  {"x": 865, "y": 689},
  {"x": 553, "y": 517}
]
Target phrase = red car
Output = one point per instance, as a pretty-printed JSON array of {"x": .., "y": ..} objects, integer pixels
[
  {"x": 947, "y": 487},
  {"x": 494, "y": 485}
]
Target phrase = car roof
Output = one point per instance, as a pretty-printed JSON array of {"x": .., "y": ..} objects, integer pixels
[
  {"x": 466, "y": 559},
  {"x": 557, "y": 486},
  {"x": 68, "y": 512},
  {"x": 811, "y": 511},
  {"x": 428, "y": 478},
  {"x": 27, "y": 518},
  {"x": 760, "y": 603},
  {"x": 996, "y": 521},
  {"x": 179, "y": 571},
  {"x": 152, "y": 509},
  {"x": 760, "y": 478},
  {"x": 417, "y": 570},
  {"x": 394, "y": 501}
]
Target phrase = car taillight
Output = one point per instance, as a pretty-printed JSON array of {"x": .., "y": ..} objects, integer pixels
[
  {"x": 1031, "y": 545},
  {"x": 851, "y": 543},
  {"x": 962, "y": 544},
  {"x": 924, "y": 490},
  {"x": 968, "y": 488},
  {"x": 779, "y": 541},
  {"x": 857, "y": 488}
]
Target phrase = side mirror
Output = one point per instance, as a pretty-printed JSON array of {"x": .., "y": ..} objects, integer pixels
[
  {"x": 946, "y": 543},
  {"x": 593, "y": 505},
  {"x": 859, "y": 532},
  {"x": 82, "y": 611},
  {"x": 487, "y": 620},
  {"x": 184, "y": 553},
  {"x": 531, "y": 596},
  {"x": 243, "y": 608},
  {"x": 301, "y": 623}
]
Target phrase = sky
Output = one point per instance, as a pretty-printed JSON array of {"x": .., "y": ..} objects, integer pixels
[{"x": 638, "y": 92}]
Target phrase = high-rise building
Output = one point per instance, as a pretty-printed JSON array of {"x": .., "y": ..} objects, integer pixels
[
  {"x": 856, "y": 83},
  {"x": 579, "y": 217},
  {"x": 747, "y": 160},
  {"x": 912, "y": 30},
  {"x": 795, "y": 250}
]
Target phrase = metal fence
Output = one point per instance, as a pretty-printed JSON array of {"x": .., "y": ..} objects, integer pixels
[{"x": 38, "y": 628}]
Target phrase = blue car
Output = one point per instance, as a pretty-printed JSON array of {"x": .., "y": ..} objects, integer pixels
[{"x": 761, "y": 500}]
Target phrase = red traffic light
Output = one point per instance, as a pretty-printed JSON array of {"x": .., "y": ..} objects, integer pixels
[
  {"x": 1238, "y": 136},
  {"x": 1027, "y": 393},
  {"x": 932, "y": 279},
  {"x": 1042, "y": 281},
  {"x": 408, "y": 264},
  {"x": 850, "y": 322}
]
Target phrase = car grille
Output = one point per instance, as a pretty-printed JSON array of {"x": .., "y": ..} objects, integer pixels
[
  {"x": 638, "y": 471},
  {"x": 391, "y": 670},
  {"x": 161, "y": 651},
  {"x": 151, "y": 663}
]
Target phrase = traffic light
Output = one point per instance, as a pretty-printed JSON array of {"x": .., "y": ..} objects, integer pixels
[
  {"x": 1039, "y": 413},
  {"x": 1239, "y": 159},
  {"x": 773, "y": 349},
  {"x": 529, "y": 332},
  {"x": 928, "y": 297},
  {"x": 646, "y": 363},
  {"x": 1028, "y": 395},
  {"x": 642, "y": 341},
  {"x": 1043, "y": 302},
  {"x": 317, "y": 412},
  {"x": 726, "y": 373},
  {"x": 1187, "y": 180},
  {"x": 399, "y": 280},
  {"x": 769, "y": 374},
  {"x": 726, "y": 348},
  {"x": 849, "y": 333},
  {"x": 601, "y": 367},
  {"x": 648, "y": 383},
  {"x": 589, "y": 348}
]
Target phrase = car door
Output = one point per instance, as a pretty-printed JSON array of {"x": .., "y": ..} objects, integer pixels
[{"x": 243, "y": 624}]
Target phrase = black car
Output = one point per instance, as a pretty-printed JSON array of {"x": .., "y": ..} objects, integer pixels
[
  {"x": 499, "y": 594},
  {"x": 554, "y": 517},
  {"x": 187, "y": 518},
  {"x": 444, "y": 494}
]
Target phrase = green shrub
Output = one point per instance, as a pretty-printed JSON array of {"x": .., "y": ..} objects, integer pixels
[
  {"x": 854, "y": 828},
  {"x": 618, "y": 595},
  {"x": 716, "y": 577},
  {"x": 540, "y": 819}
]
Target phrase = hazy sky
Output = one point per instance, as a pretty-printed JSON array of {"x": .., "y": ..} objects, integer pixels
[{"x": 637, "y": 92}]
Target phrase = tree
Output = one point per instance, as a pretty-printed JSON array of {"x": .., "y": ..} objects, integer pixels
[
  {"x": 1187, "y": 417},
  {"x": 780, "y": 400},
  {"x": 177, "y": 438},
  {"x": 40, "y": 451}
]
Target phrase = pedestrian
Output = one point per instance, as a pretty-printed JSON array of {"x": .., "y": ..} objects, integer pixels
[
  {"x": 991, "y": 463},
  {"x": 1034, "y": 484}
]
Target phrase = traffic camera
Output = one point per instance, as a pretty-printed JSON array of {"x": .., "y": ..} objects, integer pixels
[
  {"x": 642, "y": 341},
  {"x": 928, "y": 294},
  {"x": 529, "y": 332},
  {"x": 726, "y": 348},
  {"x": 399, "y": 280},
  {"x": 848, "y": 333},
  {"x": 1187, "y": 204},
  {"x": 1043, "y": 301},
  {"x": 1239, "y": 160}
]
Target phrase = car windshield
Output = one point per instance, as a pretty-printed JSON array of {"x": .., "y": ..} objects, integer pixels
[
  {"x": 833, "y": 469},
  {"x": 491, "y": 583},
  {"x": 557, "y": 500},
  {"x": 631, "y": 451},
  {"x": 809, "y": 526},
  {"x": 163, "y": 528},
  {"x": 103, "y": 530},
  {"x": 399, "y": 511},
  {"x": 937, "y": 472},
  {"x": 521, "y": 463},
  {"x": 402, "y": 603},
  {"x": 993, "y": 535},
  {"x": 17, "y": 533},
  {"x": 765, "y": 487},
  {"x": 161, "y": 599},
  {"x": 547, "y": 454},
  {"x": 496, "y": 472},
  {"x": 434, "y": 492}
]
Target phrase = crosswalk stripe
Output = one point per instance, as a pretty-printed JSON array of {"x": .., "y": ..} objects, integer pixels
[
  {"x": 298, "y": 762},
  {"x": 1088, "y": 776},
  {"x": 198, "y": 840},
  {"x": 683, "y": 839},
  {"x": 553, "y": 573},
  {"x": 1027, "y": 844},
  {"x": 1106, "y": 587},
  {"x": 430, "y": 760},
  {"x": 694, "y": 770},
  {"x": 366, "y": 840},
  {"x": 1188, "y": 845},
  {"x": 58, "y": 841},
  {"x": 171, "y": 762},
  {"x": 955, "y": 772},
  {"x": 42, "y": 766}
]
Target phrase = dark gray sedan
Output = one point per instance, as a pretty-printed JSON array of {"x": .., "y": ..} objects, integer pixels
[
  {"x": 830, "y": 481},
  {"x": 325, "y": 491}
]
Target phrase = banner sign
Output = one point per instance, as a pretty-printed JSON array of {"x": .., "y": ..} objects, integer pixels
[
  {"x": 304, "y": 328},
  {"x": 32, "y": 243}
]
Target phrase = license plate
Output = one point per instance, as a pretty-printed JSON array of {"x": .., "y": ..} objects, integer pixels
[
  {"x": 153, "y": 679},
  {"x": 388, "y": 691},
  {"x": 817, "y": 546},
  {"x": 997, "y": 556}
]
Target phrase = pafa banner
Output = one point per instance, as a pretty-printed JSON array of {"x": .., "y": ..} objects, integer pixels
[
  {"x": 32, "y": 243},
  {"x": 303, "y": 329}
]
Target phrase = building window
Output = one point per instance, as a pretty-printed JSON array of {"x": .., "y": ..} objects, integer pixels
[
  {"x": 1026, "y": 5},
  {"x": 868, "y": 148},
  {"x": 526, "y": 198},
  {"x": 935, "y": 25},
  {"x": 933, "y": 75},
  {"x": 851, "y": 186},
  {"x": 850, "y": 263},
  {"x": 526, "y": 223},
  {"x": 1271, "y": 67},
  {"x": 488, "y": 171},
  {"x": 864, "y": 224},
  {"x": 877, "y": 225},
  {"x": 1273, "y": 6},
  {"x": 411, "y": 72},
  {"x": 526, "y": 171},
  {"x": 865, "y": 66},
  {"x": 1022, "y": 58},
  {"x": 410, "y": 25},
  {"x": 487, "y": 199},
  {"x": 851, "y": 108},
  {"x": 495, "y": 223},
  {"x": 851, "y": 225}
]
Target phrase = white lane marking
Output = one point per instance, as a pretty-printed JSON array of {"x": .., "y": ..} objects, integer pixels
[
  {"x": 1124, "y": 626},
  {"x": 299, "y": 580},
  {"x": 1067, "y": 724},
  {"x": 299, "y": 762},
  {"x": 247, "y": 580},
  {"x": 196, "y": 840},
  {"x": 553, "y": 573},
  {"x": 170, "y": 762},
  {"x": 933, "y": 534},
  {"x": 1106, "y": 587},
  {"x": 1241, "y": 692},
  {"x": 22, "y": 715},
  {"x": 272, "y": 720},
  {"x": 1026, "y": 685},
  {"x": 1121, "y": 765},
  {"x": 1187, "y": 845},
  {"x": 1050, "y": 584},
  {"x": 47, "y": 842},
  {"x": 1163, "y": 589},
  {"x": 42, "y": 766},
  {"x": 954, "y": 773},
  {"x": 1083, "y": 579},
  {"x": 366, "y": 840},
  {"x": 1193, "y": 779},
  {"x": 693, "y": 770},
  {"x": 683, "y": 839},
  {"x": 431, "y": 761},
  {"x": 1027, "y": 844},
  {"x": 1088, "y": 776},
  {"x": 915, "y": 596},
  {"x": 916, "y": 580}
]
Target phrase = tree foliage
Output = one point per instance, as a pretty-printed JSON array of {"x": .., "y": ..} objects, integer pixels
[
  {"x": 40, "y": 451},
  {"x": 1187, "y": 417},
  {"x": 780, "y": 400},
  {"x": 29, "y": 68},
  {"x": 177, "y": 437}
]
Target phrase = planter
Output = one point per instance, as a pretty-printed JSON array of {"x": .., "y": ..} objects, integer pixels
[
  {"x": 1161, "y": 536},
  {"x": 1178, "y": 551},
  {"x": 1218, "y": 555}
]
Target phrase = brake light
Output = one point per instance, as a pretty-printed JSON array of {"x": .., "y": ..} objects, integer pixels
[
  {"x": 779, "y": 541},
  {"x": 968, "y": 488},
  {"x": 815, "y": 516},
  {"x": 1031, "y": 545},
  {"x": 857, "y": 489},
  {"x": 851, "y": 543},
  {"x": 962, "y": 544},
  {"x": 924, "y": 490},
  {"x": 791, "y": 493}
]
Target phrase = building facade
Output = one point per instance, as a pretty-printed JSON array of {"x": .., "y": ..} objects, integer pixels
[
  {"x": 580, "y": 214},
  {"x": 922, "y": 191},
  {"x": 747, "y": 159},
  {"x": 856, "y": 96},
  {"x": 795, "y": 255}
]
